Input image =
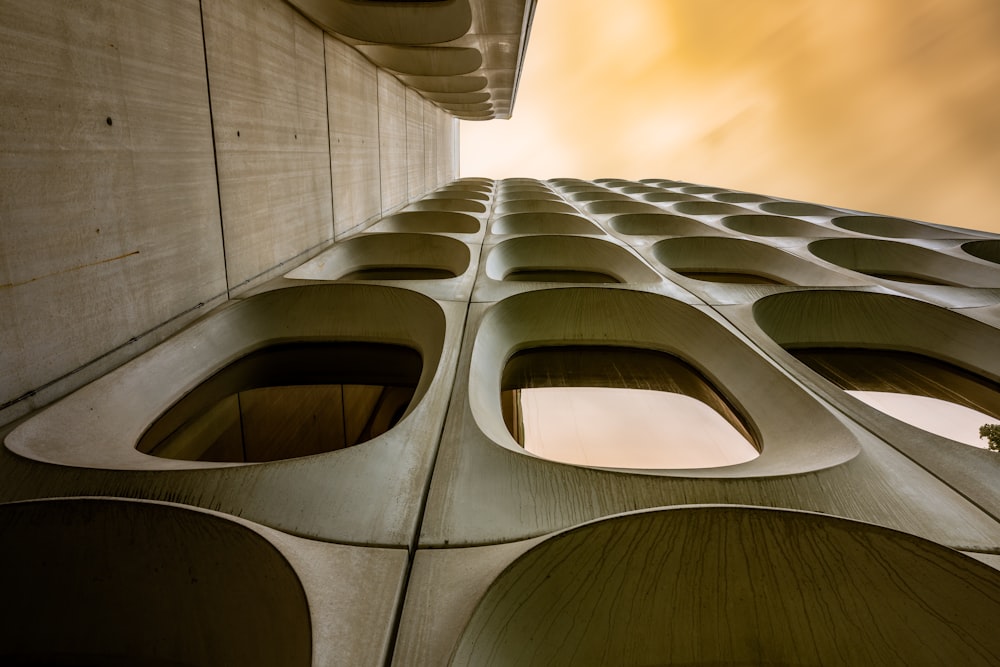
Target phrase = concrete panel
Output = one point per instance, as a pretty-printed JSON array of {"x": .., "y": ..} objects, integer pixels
[
  {"x": 392, "y": 140},
  {"x": 431, "y": 125},
  {"x": 353, "y": 99},
  {"x": 369, "y": 494},
  {"x": 415, "y": 182},
  {"x": 268, "y": 88},
  {"x": 109, "y": 209},
  {"x": 448, "y": 152}
]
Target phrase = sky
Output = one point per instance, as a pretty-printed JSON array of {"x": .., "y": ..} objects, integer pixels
[{"x": 888, "y": 106}]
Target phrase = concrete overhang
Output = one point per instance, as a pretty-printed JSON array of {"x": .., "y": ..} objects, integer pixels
[{"x": 438, "y": 46}]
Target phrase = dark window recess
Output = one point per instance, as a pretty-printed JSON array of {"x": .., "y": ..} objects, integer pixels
[
  {"x": 902, "y": 277},
  {"x": 399, "y": 273},
  {"x": 902, "y": 373},
  {"x": 742, "y": 278},
  {"x": 287, "y": 401},
  {"x": 560, "y": 276}
]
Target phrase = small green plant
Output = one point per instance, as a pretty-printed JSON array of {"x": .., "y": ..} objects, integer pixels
[{"x": 992, "y": 434}]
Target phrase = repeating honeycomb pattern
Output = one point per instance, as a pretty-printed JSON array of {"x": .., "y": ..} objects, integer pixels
[{"x": 442, "y": 541}]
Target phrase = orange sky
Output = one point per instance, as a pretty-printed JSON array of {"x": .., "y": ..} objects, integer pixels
[{"x": 890, "y": 106}]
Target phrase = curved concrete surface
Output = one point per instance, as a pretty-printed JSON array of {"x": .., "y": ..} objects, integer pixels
[
  {"x": 534, "y": 194},
  {"x": 471, "y": 109},
  {"x": 457, "y": 98},
  {"x": 446, "y": 222},
  {"x": 880, "y": 225},
  {"x": 575, "y": 316},
  {"x": 121, "y": 582},
  {"x": 740, "y": 198},
  {"x": 639, "y": 189},
  {"x": 450, "y": 204},
  {"x": 459, "y": 192},
  {"x": 125, "y": 403},
  {"x": 560, "y": 182},
  {"x": 844, "y": 319},
  {"x": 598, "y": 195},
  {"x": 445, "y": 84},
  {"x": 986, "y": 250},
  {"x": 532, "y": 205},
  {"x": 774, "y": 225},
  {"x": 664, "y": 182},
  {"x": 701, "y": 190},
  {"x": 566, "y": 253},
  {"x": 94, "y": 430},
  {"x": 735, "y": 586},
  {"x": 660, "y": 197},
  {"x": 543, "y": 223},
  {"x": 797, "y": 208},
  {"x": 479, "y": 184},
  {"x": 618, "y": 207},
  {"x": 706, "y": 207},
  {"x": 902, "y": 262},
  {"x": 388, "y": 250},
  {"x": 739, "y": 256},
  {"x": 575, "y": 187},
  {"x": 391, "y": 22},
  {"x": 660, "y": 224},
  {"x": 424, "y": 60},
  {"x": 869, "y": 321}
]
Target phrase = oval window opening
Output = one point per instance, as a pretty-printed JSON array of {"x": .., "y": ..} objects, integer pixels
[
  {"x": 620, "y": 408},
  {"x": 741, "y": 278},
  {"x": 399, "y": 273},
  {"x": 927, "y": 393},
  {"x": 904, "y": 277},
  {"x": 287, "y": 401},
  {"x": 560, "y": 276}
]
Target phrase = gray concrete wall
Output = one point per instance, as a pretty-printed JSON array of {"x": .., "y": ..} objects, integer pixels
[
  {"x": 392, "y": 140},
  {"x": 268, "y": 89},
  {"x": 354, "y": 147},
  {"x": 415, "y": 183},
  {"x": 121, "y": 220}
]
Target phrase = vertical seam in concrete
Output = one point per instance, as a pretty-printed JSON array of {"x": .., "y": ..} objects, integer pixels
[
  {"x": 215, "y": 151},
  {"x": 406, "y": 143},
  {"x": 424, "y": 495},
  {"x": 378, "y": 142},
  {"x": 329, "y": 144}
]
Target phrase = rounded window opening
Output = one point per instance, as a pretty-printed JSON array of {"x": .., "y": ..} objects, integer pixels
[
  {"x": 287, "y": 401},
  {"x": 390, "y": 272},
  {"x": 928, "y": 393},
  {"x": 560, "y": 276},
  {"x": 730, "y": 277},
  {"x": 988, "y": 250},
  {"x": 620, "y": 407}
]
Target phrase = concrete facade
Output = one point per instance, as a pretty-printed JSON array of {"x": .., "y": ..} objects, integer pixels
[
  {"x": 160, "y": 158},
  {"x": 285, "y": 252}
]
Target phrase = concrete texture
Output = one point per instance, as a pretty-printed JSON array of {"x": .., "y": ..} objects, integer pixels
[
  {"x": 477, "y": 526},
  {"x": 111, "y": 237},
  {"x": 268, "y": 88},
  {"x": 138, "y": 582},
  {"x": 354, "y": 138},
  {"x": 346, "y": 267},
  {"x": 392, "y": 141},
  {"x": 124, "y": 128},
  {"x": 679, "y": 587}
]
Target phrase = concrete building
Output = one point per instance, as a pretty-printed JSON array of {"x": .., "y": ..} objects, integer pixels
[{"x": 269, "y": 369}]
